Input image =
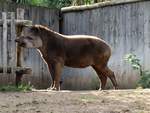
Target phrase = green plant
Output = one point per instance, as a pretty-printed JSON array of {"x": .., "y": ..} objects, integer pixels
[
  {"x": 82, "y": 2},
  {"x": 14, "y": 88},
  {"x": 134, "y": 61},
  {"x": 136, "y": 65},
  {"x": 57, "y": 3},
  {"x": 46, "y": 3},
  {"x": 144, "y": 81}
]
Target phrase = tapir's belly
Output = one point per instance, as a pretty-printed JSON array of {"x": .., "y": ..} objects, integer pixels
[
  {"x": 80, "y": 59},
  {"x": 79, "y": 62}
]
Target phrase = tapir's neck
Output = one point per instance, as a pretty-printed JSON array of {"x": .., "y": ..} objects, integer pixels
[
  {"x": 48, "y": 38},
  {"x": 42, "y": 50}
]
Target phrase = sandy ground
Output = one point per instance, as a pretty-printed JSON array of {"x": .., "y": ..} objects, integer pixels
[{"x": 110, "y": 101}]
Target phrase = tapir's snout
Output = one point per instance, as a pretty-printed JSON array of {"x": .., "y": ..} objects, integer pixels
[
  {"x": 17, "y": 40},
  {"x": 20, "y": 42}
]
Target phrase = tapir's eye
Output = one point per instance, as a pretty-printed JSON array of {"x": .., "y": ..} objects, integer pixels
[{"x": 30, "y": 38}]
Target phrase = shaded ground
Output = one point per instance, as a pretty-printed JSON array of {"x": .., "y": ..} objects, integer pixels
[{"x": 120, "y": 101}]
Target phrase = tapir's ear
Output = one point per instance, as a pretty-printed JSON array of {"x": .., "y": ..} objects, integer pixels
[{"x": 21, "y": 26}]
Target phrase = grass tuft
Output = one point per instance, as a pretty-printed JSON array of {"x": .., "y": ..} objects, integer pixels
[{"x": 14, "y": 88}]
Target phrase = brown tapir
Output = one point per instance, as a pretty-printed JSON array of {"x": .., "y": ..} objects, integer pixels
[{"x": 77, "y": 51}]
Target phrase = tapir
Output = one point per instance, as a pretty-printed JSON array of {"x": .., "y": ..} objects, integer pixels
[{"x": 77, "y": 51}]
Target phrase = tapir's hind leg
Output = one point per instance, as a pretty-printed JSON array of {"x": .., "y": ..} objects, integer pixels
[
  {"x": 111, "y": 75},
  {"x": 105, "y": 72},
  {"x": 101, "y": 76}
]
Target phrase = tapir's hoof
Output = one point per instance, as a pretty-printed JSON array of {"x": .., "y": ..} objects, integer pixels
[
  {"x": 101, "y": 89},
  {"x": 49, "y": 88},
  {"x": 54, "y": 89},
  {"x": 116, "y": 87}
]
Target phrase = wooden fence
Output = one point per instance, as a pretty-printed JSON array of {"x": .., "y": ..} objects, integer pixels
[
  {"x": 40, "y": 77},
  {"x": 7, "y": 45},
  {"x": 10, "y": 54}
]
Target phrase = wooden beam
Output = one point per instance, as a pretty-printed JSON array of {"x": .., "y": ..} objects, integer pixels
[
  {"x": 17, "y": 22},
  {"x": 98, "y": 5},
  {"x": 20, "y": 73},
  {"x": 25, "y": 70},
  {"x": 20, "y": 16}
]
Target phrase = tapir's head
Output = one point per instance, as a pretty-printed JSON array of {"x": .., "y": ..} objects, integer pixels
[{"x": 30, "y": 37}]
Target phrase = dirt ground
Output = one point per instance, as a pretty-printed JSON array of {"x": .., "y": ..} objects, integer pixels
[{"x": 110, "y": 101}]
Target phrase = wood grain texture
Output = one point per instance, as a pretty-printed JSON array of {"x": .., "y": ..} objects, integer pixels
[
  {"x": 13, "y": 45},
  {"x": 20, "y": 16},
  {"x": 17, "y": 22},
  {"x": 4, "y": 40},
  {"x": 99, "y": 5}
]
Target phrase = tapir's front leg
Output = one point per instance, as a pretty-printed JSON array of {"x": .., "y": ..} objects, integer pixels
[
  {"x": 51, "y": 70},
  {"x": 56, "y": 68}
]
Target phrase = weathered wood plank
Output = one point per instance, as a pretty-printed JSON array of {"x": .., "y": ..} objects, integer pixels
[
  {"x": 17, "y": 22},
  {"x": 20, "y": 16},
  {"x": 4, "y": 42},
  {"x": 99, "y": 5},
  {"x": 13, "y": 44},
  {"x": 20, "y": 13},
  {"x": 1, "y": 37},
  {"x": 26, "y": 70}
]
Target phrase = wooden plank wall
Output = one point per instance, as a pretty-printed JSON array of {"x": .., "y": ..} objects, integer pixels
[
  {"x": 7, "y": 54},
  {"x": 38, "y": 15},
  {"x": 125, "y": 27}
]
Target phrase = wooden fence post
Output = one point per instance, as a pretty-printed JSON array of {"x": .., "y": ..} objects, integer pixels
[
  {"x": 20, "y": 16},
  {"x": 4, "y": 18},
  {"x": 13, "y": 44}
]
